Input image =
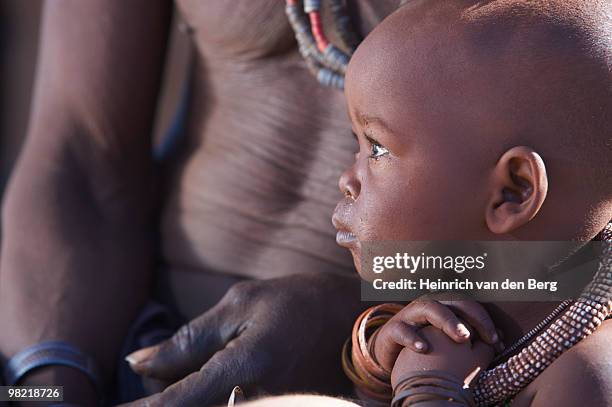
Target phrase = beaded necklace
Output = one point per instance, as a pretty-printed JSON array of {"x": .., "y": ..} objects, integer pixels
[
  {"x": 532, "y": 333},
  {"x": 578, "y": 321},
  {"x": 326, "y": 61}
]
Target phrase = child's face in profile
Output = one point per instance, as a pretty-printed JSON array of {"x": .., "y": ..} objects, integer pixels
[
  {"x": 415, "y": 176},
  {"x": 459, "y": 130}
]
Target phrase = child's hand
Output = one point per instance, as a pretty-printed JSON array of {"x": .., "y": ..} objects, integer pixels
[
  {"x": 447, "y": 356},
  {"x": 402, "y": 330}
]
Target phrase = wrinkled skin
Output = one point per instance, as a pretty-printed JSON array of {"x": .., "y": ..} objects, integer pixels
[
  {"x": 247, "y": 196},
  {"x": 251, "y": 188},
  {"x": 266, "y": 336}
]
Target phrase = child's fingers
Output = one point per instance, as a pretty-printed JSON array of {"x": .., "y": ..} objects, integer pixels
[
  {"x": 407, "y": 336},
  {"x": 478, "y": 318},
  {"x": 394, "y": 336},
  {"x": 438, "y": 315}
]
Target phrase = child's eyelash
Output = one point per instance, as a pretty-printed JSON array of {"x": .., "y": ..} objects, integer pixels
[{"x": 377, "y": 150}]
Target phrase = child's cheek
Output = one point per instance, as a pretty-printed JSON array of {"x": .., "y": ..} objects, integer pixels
[{"x": 382, "y": 216}]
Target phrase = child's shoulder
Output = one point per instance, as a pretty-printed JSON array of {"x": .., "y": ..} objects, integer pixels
[{"x": 581, "y": 376}]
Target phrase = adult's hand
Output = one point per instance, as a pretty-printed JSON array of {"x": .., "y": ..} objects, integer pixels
[{"x": 276, "y": 335}]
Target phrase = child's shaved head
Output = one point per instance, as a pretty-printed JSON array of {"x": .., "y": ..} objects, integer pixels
[
  {"x": 479, "y": 115},
  {"x": 561, "y": 54}
]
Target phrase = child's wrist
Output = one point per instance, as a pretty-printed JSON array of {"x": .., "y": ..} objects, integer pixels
[
  {"x": 358, "y": 362},
  {"x": 434, "y": 387}
]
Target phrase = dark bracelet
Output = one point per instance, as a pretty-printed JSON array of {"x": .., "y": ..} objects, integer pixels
[
  {"x": 431, "y": 385},
  {"x": 52, "y": 353}
]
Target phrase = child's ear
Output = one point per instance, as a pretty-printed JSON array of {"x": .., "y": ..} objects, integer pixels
[{"x": 518, "y": 189}]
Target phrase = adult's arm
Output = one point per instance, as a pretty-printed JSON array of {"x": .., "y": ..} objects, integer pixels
[{"x": 76, "y": 221}]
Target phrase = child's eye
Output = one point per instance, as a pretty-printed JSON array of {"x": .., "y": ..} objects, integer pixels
[{"x": 377, "y": 150}]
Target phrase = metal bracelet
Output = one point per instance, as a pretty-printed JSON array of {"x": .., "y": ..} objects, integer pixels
[{"x": 52, "y": 353}]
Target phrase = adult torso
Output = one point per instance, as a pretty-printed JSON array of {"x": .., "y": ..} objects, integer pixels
[{"x": 251, "y": 190}]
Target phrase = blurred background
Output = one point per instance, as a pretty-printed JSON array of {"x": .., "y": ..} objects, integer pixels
[
  {"x": 19, "y": 20},
  {"x": 19, "y": 39}
]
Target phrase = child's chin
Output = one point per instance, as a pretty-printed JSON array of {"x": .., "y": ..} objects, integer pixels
[
  {"x": 363, "y": 274},
  {"x": 367, "y": 276},
  {"x": 356, "y": 262}
]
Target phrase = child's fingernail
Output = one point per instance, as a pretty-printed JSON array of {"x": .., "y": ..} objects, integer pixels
[
  {"x": 419, "y": 345},
  {"x": 139, "y": 356},
  {"x": 495, "y": 337},
  {"x": 463, "y": 331}
]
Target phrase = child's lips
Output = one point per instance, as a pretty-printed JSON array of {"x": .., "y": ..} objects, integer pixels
[{"x": 346, "y": 239}]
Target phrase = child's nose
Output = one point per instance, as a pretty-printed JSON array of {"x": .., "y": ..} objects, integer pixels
[{"x": 349, "y": 184}]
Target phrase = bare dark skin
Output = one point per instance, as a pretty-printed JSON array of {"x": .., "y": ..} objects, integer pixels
[
  {"x": 234, "y": 186},
  {"x": 438, "y": 119},
  {"x": 247, "y": 197}
]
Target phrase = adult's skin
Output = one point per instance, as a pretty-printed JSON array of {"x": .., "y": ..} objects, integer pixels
[{"x": 247, "y": 197}]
